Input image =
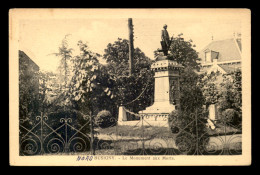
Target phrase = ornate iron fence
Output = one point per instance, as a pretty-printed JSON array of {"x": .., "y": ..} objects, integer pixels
[
  {"x": 42, "y": 138},
  {"x": 137, "y": 138}
]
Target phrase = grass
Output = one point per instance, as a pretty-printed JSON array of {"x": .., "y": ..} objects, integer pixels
[
  {"x": 158, "y": 132},
  {"x": 221, "y": 130},
  {"x": 143, "y": 132}
]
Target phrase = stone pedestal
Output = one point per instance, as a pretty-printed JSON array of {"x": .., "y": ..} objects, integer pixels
[
  {"x": 212, "y": 112},
  {"x": 122, "y": 114},
  {"x": 166, "y": 83}
]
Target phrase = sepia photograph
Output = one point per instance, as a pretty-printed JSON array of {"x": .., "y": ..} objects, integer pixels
[{"x": 130, "y": 87}]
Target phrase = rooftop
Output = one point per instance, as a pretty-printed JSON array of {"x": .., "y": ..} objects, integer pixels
[
  {"x": 228, "y": 49},
  {"x": 24, "y": 56},
  {"x": 228, "y": 68}
]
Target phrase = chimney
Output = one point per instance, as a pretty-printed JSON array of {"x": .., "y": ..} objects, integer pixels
[{"x": 237, "y": 38}]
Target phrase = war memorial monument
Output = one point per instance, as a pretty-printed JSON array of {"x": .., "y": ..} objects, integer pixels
[{"x": 166, "y": 88}]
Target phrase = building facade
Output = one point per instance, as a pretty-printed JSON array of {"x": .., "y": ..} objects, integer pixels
[
  {"x": 222, "y": 55},
  {"x": 28, "y": 86}
]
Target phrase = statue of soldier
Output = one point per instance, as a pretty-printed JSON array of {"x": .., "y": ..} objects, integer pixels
[{"x": 166, "y": 42}]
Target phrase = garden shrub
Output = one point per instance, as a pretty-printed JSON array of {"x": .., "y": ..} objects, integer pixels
[
  {"x": 104, "y": 119},
  {"x": 55, "y": 128},
  {"x": 184, "y": 126},
  {"x": 174, "y": 122},
  {"x": 231, "y": 116},
  {"x": 77, "y": 119}
]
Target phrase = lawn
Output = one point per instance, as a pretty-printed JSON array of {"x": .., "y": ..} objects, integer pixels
[
  {"x": 147, "y": 132},
  {"x": 221, "y": 129},
  {"x": 150, "y": 140}
]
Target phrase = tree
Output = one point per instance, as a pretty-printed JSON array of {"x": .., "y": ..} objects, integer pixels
[
  {"x": 65, "y": 53},
  {"x": 43, "y": 90},
  {"x": 88, "y": 81},
  {"x": 188, "y": 122},
  {"x": 63, "y": 78},
  {"x": 132, "y": 91},
  {"x": 210, "y": 85},
  {"x": 49, "y": 89},
  {"x": 191, "y": 94},
  {"x": 231, "y": 92},
  {"x": 223, "y": 89}
]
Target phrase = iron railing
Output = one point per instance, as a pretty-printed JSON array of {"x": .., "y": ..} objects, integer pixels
[{"x": 68, "y": 137}]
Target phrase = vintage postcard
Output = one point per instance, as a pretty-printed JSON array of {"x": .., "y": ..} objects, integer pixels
[{"x": 130, "y": 87}]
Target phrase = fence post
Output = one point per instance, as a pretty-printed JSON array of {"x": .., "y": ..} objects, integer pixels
[
  {"x": 225, "y": 139},
  {"x": 41, "y": 152},
  {"x": 142, "y": 117},
  {"x": 92, "y": 135},
  {"x": 197, "y": 134}
]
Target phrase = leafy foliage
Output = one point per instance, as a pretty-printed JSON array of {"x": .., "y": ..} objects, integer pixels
[
  {"x": 231, "y": 116},
  {"x": 191, "y": 95},
  {"x": 126, "y": 89},
  {"x": 190, "y": 130},
  {"x": 210, "y": 85},
  {"x": 85, "y": 89},
  {"x": 174, "y": 121},
  {"x": 48, "y": 89},
  {"x": 88, "y": 81},
  {"x": 231, "y": 92},
  {"x": 223, "y": 89},
  {"x": 104, "y": 119},
  {"x": 65, "y": 53}
]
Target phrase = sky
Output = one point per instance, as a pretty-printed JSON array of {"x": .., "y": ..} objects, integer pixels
[{"x": 39, "y": 38}]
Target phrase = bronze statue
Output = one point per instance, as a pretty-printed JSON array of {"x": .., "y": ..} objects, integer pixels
[{"x": 166, "y": 42}]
